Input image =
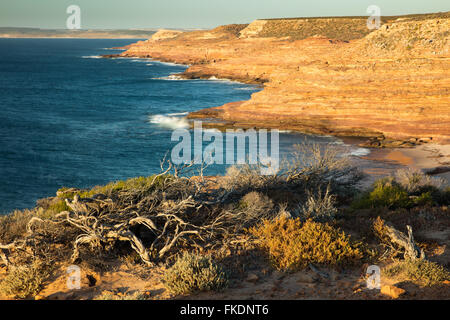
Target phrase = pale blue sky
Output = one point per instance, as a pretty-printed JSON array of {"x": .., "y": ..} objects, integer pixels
[{"x": 192, "y": 13}]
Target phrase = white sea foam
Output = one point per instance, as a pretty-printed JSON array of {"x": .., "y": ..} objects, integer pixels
[
  {"x": 172, "y": 77},
  {"x": 360, "y": 152},
  {"x": 141, "y": 60},
  {"x": 178, "y": 114},
  {"x": 246, "y": 89},
  {"x": 171, "y": 121},
  {"x": 171, "y": 64},
  {"x": 213, "y": 78},
  {"x": 91, "y": 57},
  {"x": 338, "y": 142}
]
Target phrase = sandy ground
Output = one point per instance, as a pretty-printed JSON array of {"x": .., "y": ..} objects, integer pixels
[{"x": 425, "y": 157}]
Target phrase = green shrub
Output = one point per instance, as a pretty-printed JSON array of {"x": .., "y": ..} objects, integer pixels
[
  {"x": 424, "y": 199},
  {"x": 385, "y": 193},
  {"x": 139, "y": 184},
  {"x": 57, "y": 207},
  {"x": 192, "y": 273},
  {"x": 443, "y": 197},
  {"x": 293, "y": 244},
  {"x": 423, "y": 271},
  {"x": 25, "y": 281},
  {"x": 409, "y": 188}
]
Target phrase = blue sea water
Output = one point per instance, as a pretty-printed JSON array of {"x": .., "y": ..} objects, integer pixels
[{"x": 71, "y": 118}]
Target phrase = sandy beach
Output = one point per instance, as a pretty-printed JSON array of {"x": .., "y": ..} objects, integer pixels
[{"x": 426, "y": 157}]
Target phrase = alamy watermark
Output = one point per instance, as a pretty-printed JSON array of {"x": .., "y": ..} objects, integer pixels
[
  {"x": 73, "y": 22},
  {"x": 374, "y": 20},
  {"x": 74, "y": 277},
  {"x": 221, "y": 149},
  {"x": 373, "y": 274}
]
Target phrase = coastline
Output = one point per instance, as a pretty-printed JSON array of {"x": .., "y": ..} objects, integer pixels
[
  {"x": 433, "y": 159},
  {"x": 263, "y": 238},
  {"x": 321, "y": 85},
  {"x": 413, "y": 152}
]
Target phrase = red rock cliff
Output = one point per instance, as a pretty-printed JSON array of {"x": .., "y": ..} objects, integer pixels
[{"x": 394, "y": 81}]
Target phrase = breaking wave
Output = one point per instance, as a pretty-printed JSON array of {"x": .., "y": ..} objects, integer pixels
[
  {"x": 172, "y": 77},
  {"x": 360, "y": 152},
  {"x": 171, "y": 120}
]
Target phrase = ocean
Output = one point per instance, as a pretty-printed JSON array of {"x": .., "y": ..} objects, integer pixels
[{"x": 70, "y": 118}]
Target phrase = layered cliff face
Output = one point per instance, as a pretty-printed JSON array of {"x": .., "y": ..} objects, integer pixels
[{"x": 393, "y": 82}]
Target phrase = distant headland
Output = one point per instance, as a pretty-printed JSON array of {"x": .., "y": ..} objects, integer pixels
[{"x": 6, "y": 32}]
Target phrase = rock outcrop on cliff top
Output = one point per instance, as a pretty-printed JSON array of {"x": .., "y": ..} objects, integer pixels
[
  {"x": 394, "y": 81},
  {"x": 164, "y": 34}
]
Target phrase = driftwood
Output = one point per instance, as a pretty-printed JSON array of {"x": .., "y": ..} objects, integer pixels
[{"x": 406, "y": 242}]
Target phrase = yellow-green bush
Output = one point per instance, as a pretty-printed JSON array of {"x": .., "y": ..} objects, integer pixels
[
  {"x": 139, "y": 184},
  {"x": 409, "y": 188},
  {"x": 56, "y": 207},
  {"x": 292, "y": 245},
  {"x": 422, "y": 271},
  {"x": 385, "y": 193},
  {"x": 192, "y": 273},
  {"x": 26, "y": 280}
]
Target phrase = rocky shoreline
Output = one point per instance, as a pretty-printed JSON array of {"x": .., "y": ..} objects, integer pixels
[{"x": 393, "y": 92}]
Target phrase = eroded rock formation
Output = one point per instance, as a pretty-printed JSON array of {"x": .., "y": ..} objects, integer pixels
[{"x": 393, "y": 82}]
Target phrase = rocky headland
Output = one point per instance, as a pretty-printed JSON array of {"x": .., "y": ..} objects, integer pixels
[
  {"x": 9, "y": 32},
  {"x": 329, "y": 76}
]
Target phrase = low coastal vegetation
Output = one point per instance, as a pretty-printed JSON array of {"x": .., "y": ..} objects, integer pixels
[
  {"x": 422, "y": 271},
  {"x": 292, "y": 244},
  {"x": 208, "y": 233},
  {"x": 192, "y": 273},
  {"x": 409, "y": 188},
  {"x": 24, "y": 281},
  {"x": 341, "y": 28}
]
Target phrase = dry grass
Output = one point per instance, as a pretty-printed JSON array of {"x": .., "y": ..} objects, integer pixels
[
  {"x": 257, "y": 206},
  {"x": 311, "y": 167},
  {"x": 26, "y": 281},
  {"x": 131, "y": 296},
  {"x": 233, "y": 29},
  {"x": 14, "y": 225},
  {"x": 423, "y": 272},
  {"x": 414, "y": 180},
  {"x": 334, "y": 28},
  {"x": 319, "y": 207}
]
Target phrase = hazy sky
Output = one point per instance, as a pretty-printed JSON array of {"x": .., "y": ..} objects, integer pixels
[{"x": 192, "y": 13}]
